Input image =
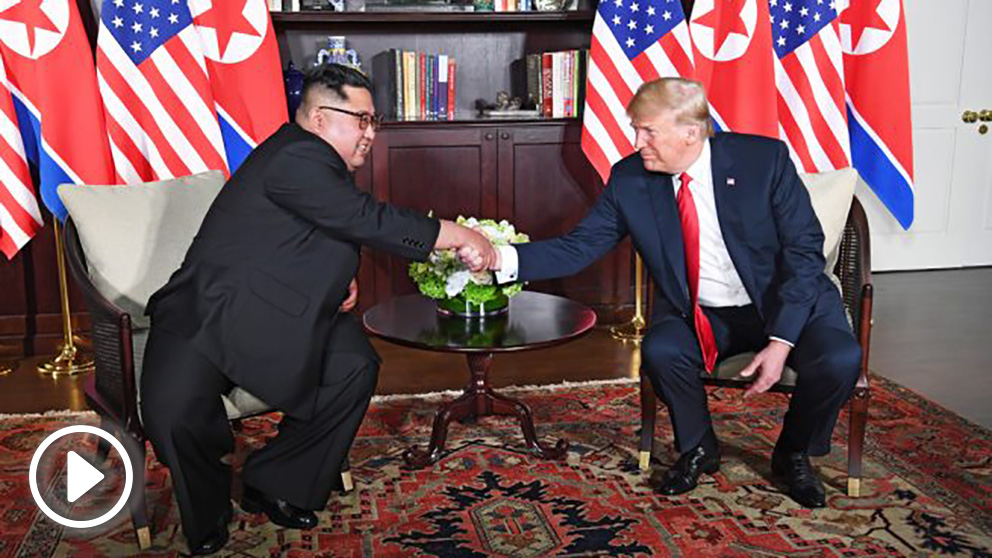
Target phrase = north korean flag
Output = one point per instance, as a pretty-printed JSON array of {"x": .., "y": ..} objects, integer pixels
[
  {"x": 876, "y": 74},
  {"x": 242, "y": 59},
  {"x": 52, "y": 81},
  {"x": 732, "y": 48}
]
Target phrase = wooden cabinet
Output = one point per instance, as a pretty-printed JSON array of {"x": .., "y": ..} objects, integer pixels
[{"x": 531, "y": 173}]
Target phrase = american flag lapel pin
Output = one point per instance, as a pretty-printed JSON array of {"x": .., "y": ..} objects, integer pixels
[{"x": 731, "y": 181}]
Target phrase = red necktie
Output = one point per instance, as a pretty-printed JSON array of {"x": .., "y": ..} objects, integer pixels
[{"x": 690, "y": 239}]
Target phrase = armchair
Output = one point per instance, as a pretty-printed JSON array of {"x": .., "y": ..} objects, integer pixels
[
  {"x": 853, "y": 269},
  {"x": 117, "y": 264}
]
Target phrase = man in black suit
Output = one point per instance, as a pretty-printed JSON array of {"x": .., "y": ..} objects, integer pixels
[
  {"x": 728, "y": 234},
  {"x": 261, "y": 302}
]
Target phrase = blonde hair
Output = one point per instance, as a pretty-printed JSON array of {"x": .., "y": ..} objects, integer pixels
[{"x": 685, "y": 98}]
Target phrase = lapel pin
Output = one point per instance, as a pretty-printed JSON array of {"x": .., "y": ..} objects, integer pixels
[{"x": 731, "y": 181}]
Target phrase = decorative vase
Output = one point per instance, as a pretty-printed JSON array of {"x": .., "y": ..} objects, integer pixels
[{"x": 458, "y": 306}]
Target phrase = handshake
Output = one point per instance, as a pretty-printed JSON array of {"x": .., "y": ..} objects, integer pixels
[{"x": 474, "y": 249}]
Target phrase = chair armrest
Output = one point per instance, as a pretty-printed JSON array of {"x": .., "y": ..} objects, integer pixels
[{"x": 111, "y": 336}]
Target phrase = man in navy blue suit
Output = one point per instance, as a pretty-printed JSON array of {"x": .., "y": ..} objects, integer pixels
[{"x": 728, "y": 234}]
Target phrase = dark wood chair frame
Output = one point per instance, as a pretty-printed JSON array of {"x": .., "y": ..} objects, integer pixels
[
  {"x": 112, "y": 390},
  {"x": 854, "y": 271}
]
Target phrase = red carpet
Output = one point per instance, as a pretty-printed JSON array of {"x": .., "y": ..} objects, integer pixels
[{"x": 926, "y": 492}]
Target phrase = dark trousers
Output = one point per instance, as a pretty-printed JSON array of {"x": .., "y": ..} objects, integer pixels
[
  {"x": 826, "y": 358},
  {"x": 184, "y": 419}
]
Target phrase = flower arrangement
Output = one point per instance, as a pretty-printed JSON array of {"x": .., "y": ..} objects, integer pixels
[{"x": 458, "y": 290}]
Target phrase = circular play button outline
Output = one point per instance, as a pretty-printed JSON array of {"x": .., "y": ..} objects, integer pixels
[{"x": 33, "y": 473}]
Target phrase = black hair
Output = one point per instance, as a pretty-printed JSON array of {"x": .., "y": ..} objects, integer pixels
[{"x": 334, "y": 77}]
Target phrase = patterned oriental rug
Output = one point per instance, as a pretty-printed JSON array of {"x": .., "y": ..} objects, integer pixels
[{"x": 928, "y": 488}]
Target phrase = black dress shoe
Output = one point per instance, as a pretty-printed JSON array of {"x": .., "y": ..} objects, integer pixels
[
  {"x": 805, "y": 486},
  {"x": 280, "y": 511},
  {"x": 213, "y": 543},
  {"x": 684, "y": 475}
]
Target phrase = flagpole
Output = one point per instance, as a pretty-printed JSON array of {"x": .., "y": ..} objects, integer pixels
[
  {"x": 634, "y": 329},
  {"x": 70, "y": 360}
]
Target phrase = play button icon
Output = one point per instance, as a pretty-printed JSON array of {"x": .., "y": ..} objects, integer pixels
[{"x": 81, "y": 477}]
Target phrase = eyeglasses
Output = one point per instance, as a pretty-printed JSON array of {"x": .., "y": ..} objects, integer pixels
[{"x": 364, "y": 118}]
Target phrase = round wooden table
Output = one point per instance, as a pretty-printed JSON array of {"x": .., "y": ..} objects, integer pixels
[{"x": 534, "y": 321}]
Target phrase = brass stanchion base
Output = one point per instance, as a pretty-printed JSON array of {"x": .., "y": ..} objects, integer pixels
[
  {"x": 69, "y": 362},
  {"x": 6, "y": 368},
  {"x": 630, "y": 331}
]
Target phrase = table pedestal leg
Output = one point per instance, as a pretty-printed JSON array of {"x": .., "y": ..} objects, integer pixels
[{"x": 480, "y": 400}]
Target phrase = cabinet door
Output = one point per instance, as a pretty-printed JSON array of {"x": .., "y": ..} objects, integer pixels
[
  {"x": 450, "y": 170},
  {"x": 546, "y": 186}
]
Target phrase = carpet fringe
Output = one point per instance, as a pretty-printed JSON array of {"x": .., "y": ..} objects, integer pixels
[
  {"x": 47, "y": 414},
  {"x": 544, "y": 387}
]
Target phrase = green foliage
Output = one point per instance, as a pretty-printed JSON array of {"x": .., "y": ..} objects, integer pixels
[{"x": 444, "y": 271}]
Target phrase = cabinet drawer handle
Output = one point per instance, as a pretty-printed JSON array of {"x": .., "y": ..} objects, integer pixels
[
  {"x": 489, "y": 136},
  {"x": 505, "y": 135}
]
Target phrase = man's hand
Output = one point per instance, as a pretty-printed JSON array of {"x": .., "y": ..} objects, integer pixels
[
  {"x": 473, "y": 247},
  {"x": 350, "y": 302},
  {"x": 476, "y": 252},
  {"x": 769, "y": 364}
]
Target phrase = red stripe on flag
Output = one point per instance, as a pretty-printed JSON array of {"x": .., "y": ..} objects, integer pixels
[
  {"x": 821, "y": 129},
  {"x": 645, "y": 68},
  {"x": 676, "y": 54},
  {"x": 15, "y": 161},
  {"x": 609, "y": 71},
  {"x": 594, "y": 152},
  {"x": 829, "y": 75},
  {"x": 22, "y": 218},
  {"x": 182, "y": 116},
  {"x": 188, "y": 65},
  {"x": 609, "y": 122},
  {"x": 796, "y": 139},
  {"x": 130, "y": 151},
  {"x": 131, "y": 101}
]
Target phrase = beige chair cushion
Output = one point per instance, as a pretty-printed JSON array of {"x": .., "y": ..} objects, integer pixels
[
  {"x": 730, "y": 369},
  {"x": 831, "y": 194},
  {"x": 135, "y": 236}
]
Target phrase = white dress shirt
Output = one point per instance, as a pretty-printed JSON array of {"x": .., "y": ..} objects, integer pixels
[{"x": 719, "y": 282}]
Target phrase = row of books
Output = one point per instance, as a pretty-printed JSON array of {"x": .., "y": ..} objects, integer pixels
[
  {"x": 513, "y": 5},
  {"x": 412, "y": 85},
  {"x": 552, "y": 82}
]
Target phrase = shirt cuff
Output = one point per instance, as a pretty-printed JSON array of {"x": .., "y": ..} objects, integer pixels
[
  {"x": 509, "y": 265},
  {"x": 789, "y": 343}
]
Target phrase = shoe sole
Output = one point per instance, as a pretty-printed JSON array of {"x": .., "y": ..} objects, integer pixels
[{"x": 250, "y": 506}]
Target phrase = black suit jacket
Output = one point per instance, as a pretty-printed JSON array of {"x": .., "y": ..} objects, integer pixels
[
  {"x": 767, "y": 221},
  {"x": 261, "y": 284}
]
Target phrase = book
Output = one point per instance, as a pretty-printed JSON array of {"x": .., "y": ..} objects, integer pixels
[
  {"x": 385, "y": 80},
  {"x": 442, "y": 86},
  {"x": 452, "y": 87}
]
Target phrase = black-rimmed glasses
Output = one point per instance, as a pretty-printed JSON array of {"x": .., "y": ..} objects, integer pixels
[{"x": 364, "y": 118}]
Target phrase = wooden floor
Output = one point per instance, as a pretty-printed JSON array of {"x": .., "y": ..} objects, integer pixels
[{"x": 930, "y": 334}]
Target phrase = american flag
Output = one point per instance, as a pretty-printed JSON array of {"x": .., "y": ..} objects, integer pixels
[
  {"x": 809, "y": 75},
  {"x": 20, "y": 216},
  {"x": 161, "y": 114},
  {"x": 633, "y": 41}
]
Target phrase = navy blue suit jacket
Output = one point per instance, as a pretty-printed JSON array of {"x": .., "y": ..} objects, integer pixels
[{"x": 768, "y": 224}]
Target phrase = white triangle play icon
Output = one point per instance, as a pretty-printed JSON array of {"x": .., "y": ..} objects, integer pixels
[{"x": 81, "y": 476}]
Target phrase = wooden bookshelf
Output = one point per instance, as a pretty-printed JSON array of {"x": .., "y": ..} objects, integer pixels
[{"x": 530, "y": 171}]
